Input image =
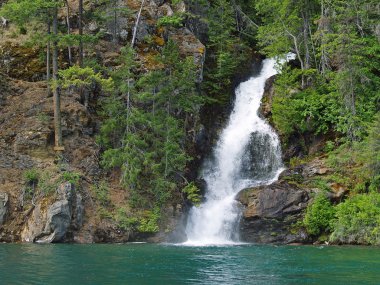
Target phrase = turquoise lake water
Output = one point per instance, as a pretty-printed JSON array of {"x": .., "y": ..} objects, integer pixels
[{"x": 165, "y": 264}]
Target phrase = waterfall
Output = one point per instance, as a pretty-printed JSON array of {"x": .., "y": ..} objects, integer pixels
[{"x": 247, "y": 154}]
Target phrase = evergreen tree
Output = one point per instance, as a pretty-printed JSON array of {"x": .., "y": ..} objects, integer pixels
[{"x": 145, "y": 131}]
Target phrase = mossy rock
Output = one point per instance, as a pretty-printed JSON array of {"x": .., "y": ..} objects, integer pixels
[{"x": 22, "y": 62}]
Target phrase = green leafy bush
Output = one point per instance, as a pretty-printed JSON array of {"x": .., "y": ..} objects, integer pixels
[
  {"x": 319, "y": 215},
  {"x": 313, "y": 109},
  {"x": 175, "y": 20},
  {"x": 124, "y": 220},
  {"x": 31, "y": 176},
  {"x": 358, "y": 220},
  {"x": 72, "y": 177},
  {"x": 47, "y": 183},
  {"x": 192, "y": 193},
  {"x": 101, "y": 191},
  {"x": 149, "y": 223}
]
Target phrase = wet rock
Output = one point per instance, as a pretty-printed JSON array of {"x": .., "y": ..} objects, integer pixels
[
  {"x": 266, "y": 101},
  {"x": 3, "y": 206},
  {"x": 271, "y": 213}
]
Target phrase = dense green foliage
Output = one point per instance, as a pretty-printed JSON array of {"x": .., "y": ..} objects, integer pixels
[
  {"x": 150, "y": 114},
  {"x": 144, "y": 133},
  {"x": 336, "y": 84},
  {"x": 356, "y": 165},
  {"x": 319, "y": 215},
  {"x": 358, "y": 220},
  {"x": 228, "y": 51},
  {"x": 333, "y": 87}
]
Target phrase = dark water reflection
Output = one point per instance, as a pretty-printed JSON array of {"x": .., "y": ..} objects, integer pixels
[{"x": 165, "y": 264}]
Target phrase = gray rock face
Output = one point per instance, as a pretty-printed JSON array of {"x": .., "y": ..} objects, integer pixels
[
  {"x": 3, "y": 206},
  {"x": 271, "y": 212},
  {"x": 54, "y": 223},
  {"x": 58, "y": 220}
]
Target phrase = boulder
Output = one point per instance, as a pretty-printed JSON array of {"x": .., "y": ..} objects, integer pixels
[
  {"x": 337, "y": 192},
  {"x": 58, "y": 221},
  {"x": 53, "y": 223},
  {"x": 189, "y": 45},
  {"x": 35, "y": 223},
  {"x": 271, "y": 213},
  {"x": 3, "y": 206},
  {"x": 314, "y": 168}
]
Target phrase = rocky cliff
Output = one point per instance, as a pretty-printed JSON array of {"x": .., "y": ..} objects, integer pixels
[{"x": 50, "y": 197}]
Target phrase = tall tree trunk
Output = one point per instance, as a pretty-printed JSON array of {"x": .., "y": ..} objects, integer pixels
[
  {"x": 80, "y": 26},
  {"x": 114, "y": 36},
  {"x": 297, "y": 50},
  {"x": 82, "y": 93},
  {"x": 137, "y": 24},
  {"x": 323, "y": 28},
  {"x": 305, "y": 18},
  {"x": 48, "y": 60},
  {"x": 68, "y": 29},
  {"x": 56, "y": 96}
]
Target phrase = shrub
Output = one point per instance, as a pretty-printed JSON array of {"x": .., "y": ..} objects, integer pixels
[
  {"x": 149, "y": 223},
  {"x": 31, "y": 176},
  {"x": 72, "y": 177},
  {"x": 123, "y": 220},
  {"x": 101, "y": 191},
  {"x": 319, "y": 215},
  {"x": 175, "y": 20},
  {"x": 192, "y": 193},
  {"x": 47, "y": 184},
  {"x": 358, "y": 220}
]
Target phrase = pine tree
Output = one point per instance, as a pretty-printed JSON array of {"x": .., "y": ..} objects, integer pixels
[{"x": 146, "y": 126}]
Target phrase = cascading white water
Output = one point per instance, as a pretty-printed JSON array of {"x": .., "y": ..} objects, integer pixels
[{"x": 247, "y": 154}]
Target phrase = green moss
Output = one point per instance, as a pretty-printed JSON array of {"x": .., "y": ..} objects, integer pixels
[{"x": 25, "y": 63}]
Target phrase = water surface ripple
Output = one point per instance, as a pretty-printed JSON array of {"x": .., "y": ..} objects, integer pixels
[{"x": 167, "y": 264}]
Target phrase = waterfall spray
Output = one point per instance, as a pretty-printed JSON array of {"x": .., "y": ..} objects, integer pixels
[{"x": 247, "y": 154}]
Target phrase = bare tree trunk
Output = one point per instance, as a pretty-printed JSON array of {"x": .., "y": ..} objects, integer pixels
[
  {"x": 167, "y": 142},
  {"x": 137, "y": 24},
  {"x": 81, "y": 56},
  {"x": 80, "y": 26},
  {"x": 48, "y": 60},
  {"x": 56, "y": 96},
  {"x": 306, "y": 39},
  {"x": 114, "y": 36},
  {"x": 295, "y": 42},
  {"x": 68, "y": 29},
  {"x": 323, "y": 28}
]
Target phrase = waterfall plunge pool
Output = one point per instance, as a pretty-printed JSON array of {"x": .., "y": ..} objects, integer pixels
[{"x": 136, "y": 264}]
